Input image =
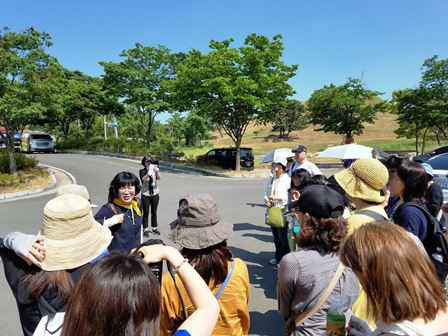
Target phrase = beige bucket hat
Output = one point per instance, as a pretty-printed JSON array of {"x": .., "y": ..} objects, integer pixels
[
  {"x": 75, "y": 189},
  {"x": 364, "y": 179},
  {"x": 198, "y": 224},
  {"x": 71, "y": 235}
]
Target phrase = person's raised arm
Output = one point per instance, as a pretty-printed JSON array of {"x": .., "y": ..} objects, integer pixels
[{"x": 203, "y": 320}]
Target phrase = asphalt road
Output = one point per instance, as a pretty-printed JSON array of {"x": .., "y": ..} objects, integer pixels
[{"x": 239, "y": 201}]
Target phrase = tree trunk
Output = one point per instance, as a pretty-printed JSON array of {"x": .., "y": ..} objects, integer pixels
[
  {"x": 149, "y": 129},
  {"x": 11, "y": 151},
  {"x": 437, "y": 133},
  {"x": 65, "y": 128},
  {"x": 416, "y": 140},
  {"x": 424, "y": 140},
  {"x": 238, "y": 154}
]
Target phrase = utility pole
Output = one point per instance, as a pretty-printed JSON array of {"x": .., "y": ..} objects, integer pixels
[
  {"x": 115, "y": 127},
  {"x": 105, "y": 129}
]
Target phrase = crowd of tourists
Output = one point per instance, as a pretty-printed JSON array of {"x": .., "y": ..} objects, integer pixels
[{"x": 367, "y": 243}]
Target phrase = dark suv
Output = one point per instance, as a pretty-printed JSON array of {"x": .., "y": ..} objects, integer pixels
[{"x": 226, "y": 158}]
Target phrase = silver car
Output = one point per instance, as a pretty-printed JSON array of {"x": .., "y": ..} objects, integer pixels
[{"x": 37, "y": 142}]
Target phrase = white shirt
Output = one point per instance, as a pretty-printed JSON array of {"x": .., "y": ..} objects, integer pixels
[
  {"x": 280, "y": 187},
  {"x": 311, "y": 167},
  {"x": 52, "y": 328}
]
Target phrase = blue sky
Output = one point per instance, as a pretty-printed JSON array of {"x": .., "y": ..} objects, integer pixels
[{"x": 385, "y": 42}]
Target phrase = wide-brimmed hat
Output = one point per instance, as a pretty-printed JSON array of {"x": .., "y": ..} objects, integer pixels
[
  {"x": 364, "y": 179},
  {"x": 75, "y": 189},
  {"x": 198, "y": 224},
  {"x": 71, "y": 235},
  {"x": 320, "y": 201}
]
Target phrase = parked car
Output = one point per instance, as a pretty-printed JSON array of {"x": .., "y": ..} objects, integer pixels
[
  {"x": 426, "y": 156},
  {"x": 18, "y": 140},
  {"x": 37, "y": 142},
  {"x": 17, "y": 136},
  {"x": 226, "y": 158},
  {"x": 439, "y": 164}
]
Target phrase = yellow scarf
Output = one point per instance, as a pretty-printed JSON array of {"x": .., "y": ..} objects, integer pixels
[{"x": 133, "y": 205}]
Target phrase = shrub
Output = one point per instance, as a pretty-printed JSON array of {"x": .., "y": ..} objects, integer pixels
[
  {"x": 23, "y": 162},
  {"x": 163, "y": 148}
]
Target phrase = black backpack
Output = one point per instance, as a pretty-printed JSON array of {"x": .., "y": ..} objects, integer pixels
[{"x": 435, "y": 242}]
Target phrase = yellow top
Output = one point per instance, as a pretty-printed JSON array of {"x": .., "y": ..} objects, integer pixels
[
  {"x": 355, "y": 221},
  {"x": 233, "y": 319}
]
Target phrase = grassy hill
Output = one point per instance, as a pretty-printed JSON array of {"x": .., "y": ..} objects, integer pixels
[{"x": 261, "y": 138}]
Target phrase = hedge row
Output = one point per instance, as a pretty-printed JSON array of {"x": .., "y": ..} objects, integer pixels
[
  {"x": 23, "y": 162},
  {"x": 120, "y": 145}
]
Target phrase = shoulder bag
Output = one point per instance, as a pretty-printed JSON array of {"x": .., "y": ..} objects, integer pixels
[
  {"x": 308, "y": 313},
  {"x": 275, "y": 216}
]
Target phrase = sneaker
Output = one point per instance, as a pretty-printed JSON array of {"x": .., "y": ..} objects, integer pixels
[
  {"x": 273, "y": 262},
  {"x": 155, "y": 231},
  {"x": 146, "y": 233}
]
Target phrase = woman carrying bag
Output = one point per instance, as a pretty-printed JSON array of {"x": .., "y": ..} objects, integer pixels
[
  {"x": 310, "y": 278},
  {"x": 276, "y": 200}
]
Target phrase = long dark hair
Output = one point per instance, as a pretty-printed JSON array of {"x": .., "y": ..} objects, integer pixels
[
  {"x": 118, "y": 296},
  {"x": 210, "y": 262},
  {"x": 414, "y": 178},
  {"x": 303, "y": 175},
  {"x": 121, "y": 180},
  {"x": 38, "y": 281}
]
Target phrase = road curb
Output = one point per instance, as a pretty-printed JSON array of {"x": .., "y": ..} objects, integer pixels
[
  {"x": 40, "y": 190},
  {"x": 170, "y": 165}
]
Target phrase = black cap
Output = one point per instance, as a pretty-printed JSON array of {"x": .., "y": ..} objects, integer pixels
[
  {"x": 300, "y": 148},
  {"x": 320, "y": 201}
]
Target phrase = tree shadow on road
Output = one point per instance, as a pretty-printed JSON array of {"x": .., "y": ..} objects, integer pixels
[
  {"x": 266, "y": 324},
  {"x": 260, "y": 205},
  {"x": 261, "y": 274},
  {"x": 250, "y": 226},
  {"x": 265, "y": 238}
]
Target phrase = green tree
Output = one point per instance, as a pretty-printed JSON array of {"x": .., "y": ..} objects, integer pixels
[
  {"x": 435, "y": 81},
  {"x": 132, "y": 123},
  {"x": 141, "y": 80},
  {"x": 196, "y": 128},
  {"x": 411, "y": 109},
  {"x": 292, "y": 117},
  {"x": 24, "y": 65},
  {"x": 232, "y": 87},
  {"x": 424, "y": 110},
  {"x": 176, "y": 126},
  {"x": 343, "y": 109}
]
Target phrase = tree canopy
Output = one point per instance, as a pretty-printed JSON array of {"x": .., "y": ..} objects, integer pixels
[
  {"x": 343, "y": 109},
  {"x": 141, "y": 80},
  {"x": 235, "y": 86},
  {"x": 424, "y": 109},
  {"x": 24, "y": 66},
  {"x": 292, "y": 117}
]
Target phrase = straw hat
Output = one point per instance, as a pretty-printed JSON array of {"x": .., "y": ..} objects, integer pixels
[
  {"x": 75, "y": 189},
  {"x": 71, "y": 235},
  {"x": 364, "y": 179},
  {"x": 198, "y": 224}
]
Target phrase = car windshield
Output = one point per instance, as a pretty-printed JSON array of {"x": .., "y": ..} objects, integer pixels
[
  {"x": 246, "y": 153},
  {"x": 439, "y": 162},
  {"x": 40, "y": 137}
]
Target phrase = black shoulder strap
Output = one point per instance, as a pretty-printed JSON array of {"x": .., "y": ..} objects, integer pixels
[{"x": 113, "y": 208}]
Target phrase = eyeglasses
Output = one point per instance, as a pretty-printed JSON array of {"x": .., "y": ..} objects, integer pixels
[{"x": 127, "y": 187}]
